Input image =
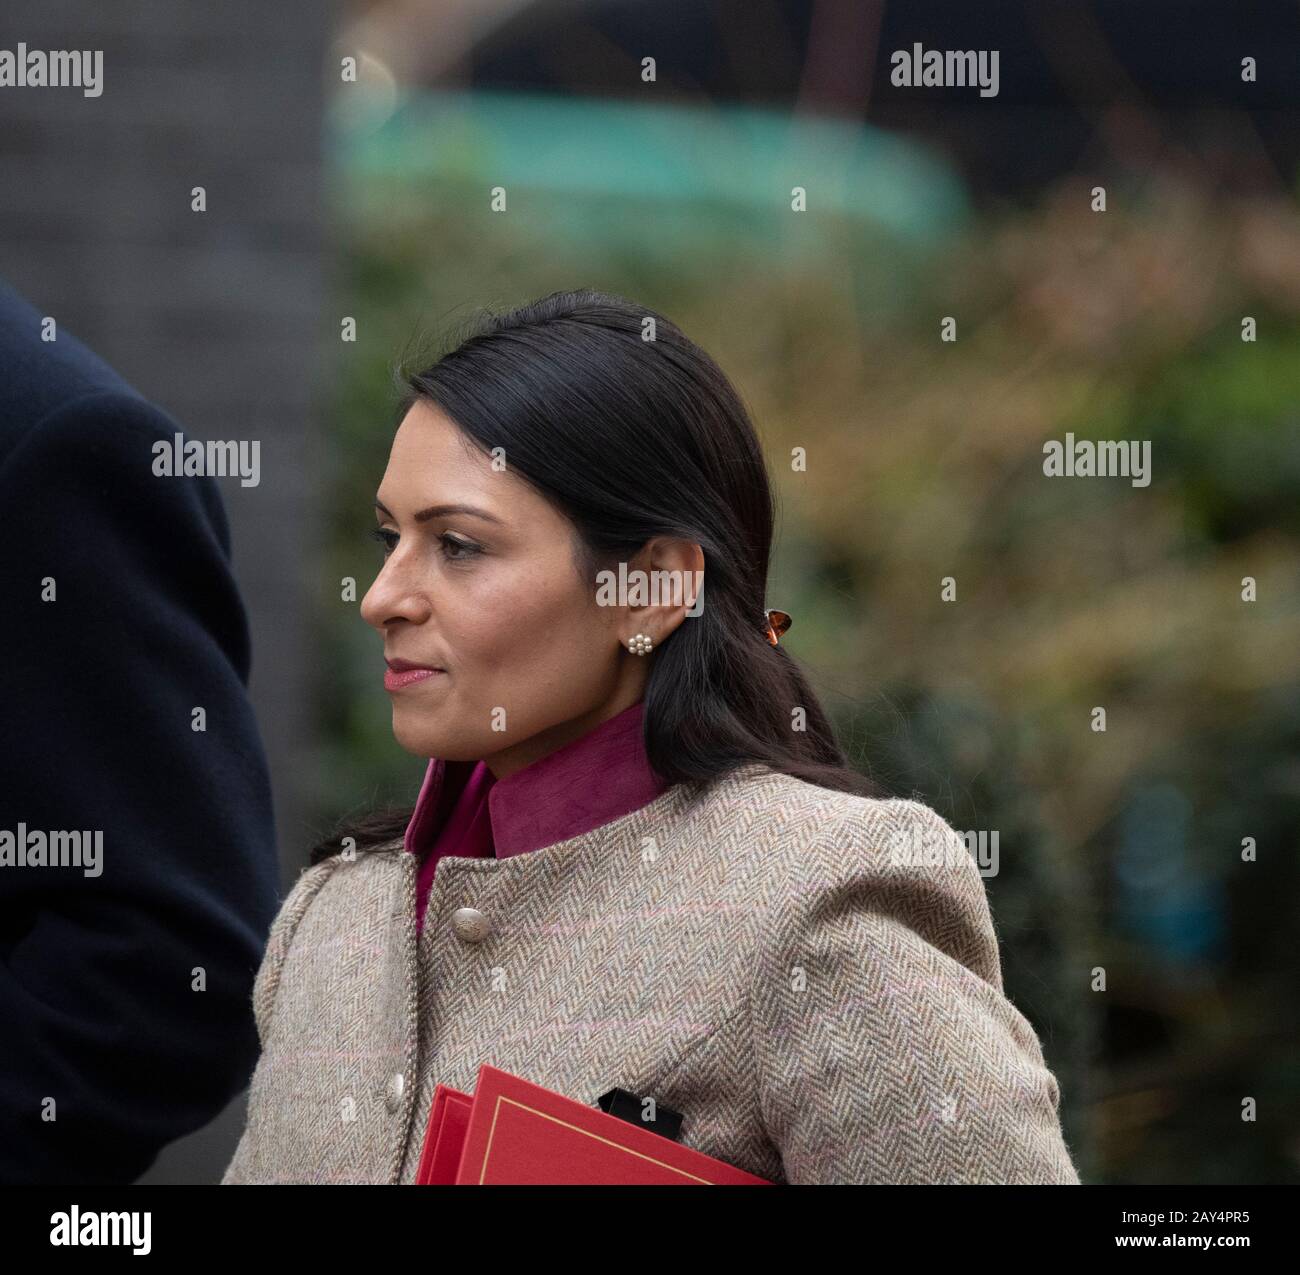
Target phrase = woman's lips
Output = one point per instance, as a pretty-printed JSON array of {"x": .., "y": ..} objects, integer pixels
[{"x": 399, "y": 674}]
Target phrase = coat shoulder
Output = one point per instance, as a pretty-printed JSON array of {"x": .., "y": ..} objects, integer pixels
[
  {"x": 821, "y": 852},
  {"x": 312, "y": 883},
  {"x": 809, "y": 822},
  {"x": 886, "y": 1050}
]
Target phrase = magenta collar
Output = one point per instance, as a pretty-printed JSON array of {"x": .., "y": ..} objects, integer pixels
[{"x": 577, "y": 788}]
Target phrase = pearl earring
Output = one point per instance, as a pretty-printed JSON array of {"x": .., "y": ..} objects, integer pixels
[{"x": 640, "y": 644}]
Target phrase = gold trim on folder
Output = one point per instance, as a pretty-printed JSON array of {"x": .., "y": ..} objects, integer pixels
[{"x": 487, "y": 1151}]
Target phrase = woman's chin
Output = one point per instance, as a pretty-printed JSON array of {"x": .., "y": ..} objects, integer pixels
[{"x": 417, "y": 738}]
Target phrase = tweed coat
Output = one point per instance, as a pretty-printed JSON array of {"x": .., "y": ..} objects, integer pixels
[{"x": 811, "y": 978}]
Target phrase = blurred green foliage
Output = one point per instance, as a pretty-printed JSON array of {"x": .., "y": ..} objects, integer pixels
[{"x": 1120, "y": 852}]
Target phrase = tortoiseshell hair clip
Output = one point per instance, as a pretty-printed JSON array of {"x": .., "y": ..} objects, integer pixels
[{"x": 778, "y": 622}]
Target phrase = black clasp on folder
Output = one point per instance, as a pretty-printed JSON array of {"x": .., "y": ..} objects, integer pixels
[{"x": 627, "y": 1106}]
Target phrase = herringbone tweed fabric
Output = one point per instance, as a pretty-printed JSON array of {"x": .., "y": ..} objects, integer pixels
[{"x": 774, "y": 960}]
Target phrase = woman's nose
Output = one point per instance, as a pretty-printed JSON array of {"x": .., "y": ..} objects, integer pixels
[{"x": 392, "y": 597}]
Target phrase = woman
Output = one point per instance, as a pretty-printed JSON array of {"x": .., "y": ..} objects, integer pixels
[{"x": 639, "y": 858}]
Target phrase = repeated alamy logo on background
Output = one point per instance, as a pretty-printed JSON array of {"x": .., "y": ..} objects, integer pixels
[
  {"x": 945, "y": 68},
  {"x": 1106, "y": 458},
  {"x": 59, "y": 848},
  {"x": 24, "y": 68},
  {"x": 922, "y": 848},
  {"x": 650, "y": 588},
  {"x": 216, "y": 458}
]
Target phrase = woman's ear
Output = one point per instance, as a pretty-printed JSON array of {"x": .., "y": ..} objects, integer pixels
[{"x": 672, "y": 579}]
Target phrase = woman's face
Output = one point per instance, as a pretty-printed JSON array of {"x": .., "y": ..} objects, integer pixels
[{"x": 479, "y": 582}]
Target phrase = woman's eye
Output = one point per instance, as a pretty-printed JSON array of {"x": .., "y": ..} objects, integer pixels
[{"x": 456, "y": 550}]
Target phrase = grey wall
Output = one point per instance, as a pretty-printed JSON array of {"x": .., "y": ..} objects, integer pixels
[{"x": 216, "y": 317}]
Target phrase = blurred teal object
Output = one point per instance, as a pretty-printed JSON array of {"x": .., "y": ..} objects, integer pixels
[
  {"x": 739, "y": 163},
  {"x": 1165, "y": 899}
]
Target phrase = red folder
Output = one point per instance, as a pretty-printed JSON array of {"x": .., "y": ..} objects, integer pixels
[{"x": 512, "y": 1131}]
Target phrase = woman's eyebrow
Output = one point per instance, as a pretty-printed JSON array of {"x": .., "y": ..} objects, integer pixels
[{"x": 440, "y": 511}]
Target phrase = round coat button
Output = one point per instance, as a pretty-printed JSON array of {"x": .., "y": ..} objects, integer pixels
[
  {"x": 470, "y": 925},
  {"x": 393, "y": 1091}
]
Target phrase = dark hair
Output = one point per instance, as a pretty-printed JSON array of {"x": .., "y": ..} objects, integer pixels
[{"x": 632, "y": 431}]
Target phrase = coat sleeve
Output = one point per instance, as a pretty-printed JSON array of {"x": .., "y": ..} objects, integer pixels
[
  {"x": 267, "y": 980},
  {"x": 885, "y": 1048},
  {"x": 124, "y": 994},
  {"x": 242, "y": 1168}
]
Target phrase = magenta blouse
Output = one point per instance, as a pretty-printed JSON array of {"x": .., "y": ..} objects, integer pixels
[{"x": 463, "y": 809}]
